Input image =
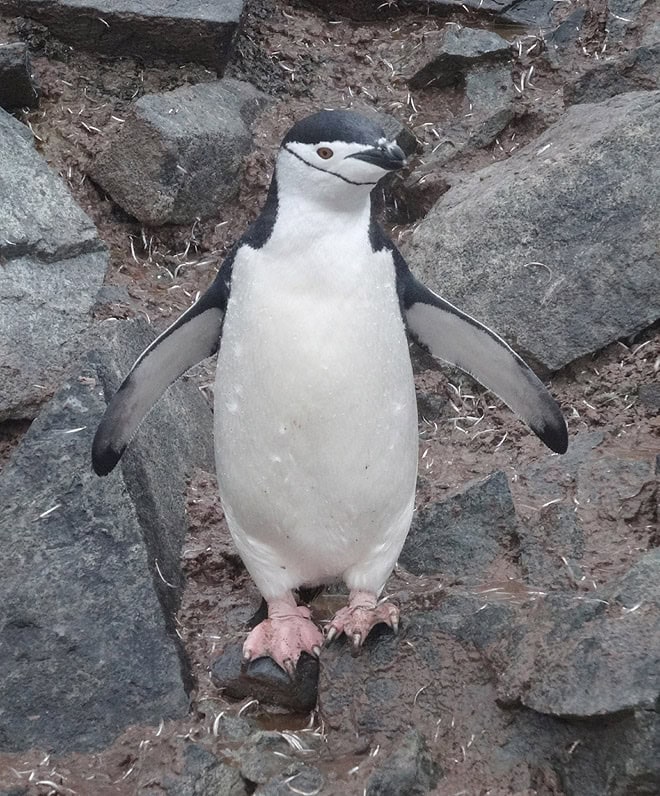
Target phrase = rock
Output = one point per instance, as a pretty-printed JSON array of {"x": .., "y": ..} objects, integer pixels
[
  {"x": 52, "y": 264},
  {"x": 16, "y": 87},
  {"x": 463, "y": 535},
  {"x": 635, "y": 71},
  {"x": 565, "y": 35},
  {"x": 413, "y": 196},
  {"x": 453, "y": 54},
  {"x": 649, "y": 395},
  {"x": 203, "y": 775},
  {"x": 594, "y": 663},
  {"x": 584, "y": 198},
  {"x": 619, "y": 756},
  {"x": 10, "y": 128},
  {"x": 263, "y": 679},
  {"x": 189, "y": 30},
  {"x": 178, "y": 156},
  {"x": 622, "y": 17},
  {"x": 530, "y": 13},
  {"x": 409, "y": 769},
  {"x": 441, "y": 711},
  {"x": 490, "y": 95},
  {"x": 268, "y": 756},
  {"x": 487, "y": 107},
  {"x": 614, "y": 488},
  {"x": 91, "y": 574},
  {"x": 593, "y": 657},
  {"x": 554, "y": 477},
  {"x": 304, "y": 779},
  {"x": 551, "y": 548}
]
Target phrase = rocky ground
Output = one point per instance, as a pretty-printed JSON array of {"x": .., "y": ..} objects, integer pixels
[{"x": 527, "y": 661}]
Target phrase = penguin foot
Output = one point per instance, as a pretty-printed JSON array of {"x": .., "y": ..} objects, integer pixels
[
  {"x": 360, "y": 616},
  {"x": 288, "y": 632}
]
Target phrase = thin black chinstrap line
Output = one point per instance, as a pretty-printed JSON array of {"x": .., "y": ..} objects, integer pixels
[{"x": 326, "y": 171}]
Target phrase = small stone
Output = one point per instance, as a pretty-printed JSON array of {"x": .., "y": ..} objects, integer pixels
[
  {"x": 264, "y": 680},
  {"x": 409, "y": 769},
  {"x": 622, "y": 17},
  {"x": 266, "y": 755},
  {"x": 649, "y": 395},
  {"x": 17, "y": 89},
  {"x": 303, "y": 779},
  {"x": 490, "y": 96},
  {"x": 452, "y": 55}
]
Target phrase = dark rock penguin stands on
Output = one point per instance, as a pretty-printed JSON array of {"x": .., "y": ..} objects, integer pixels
[{"x": 315, "y": 412}]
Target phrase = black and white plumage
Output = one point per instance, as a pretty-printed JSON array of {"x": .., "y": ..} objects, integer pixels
[{"x": 315, "y": 411}]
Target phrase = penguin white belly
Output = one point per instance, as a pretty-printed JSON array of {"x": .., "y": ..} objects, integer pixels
[{"x": 315, "y": 419}]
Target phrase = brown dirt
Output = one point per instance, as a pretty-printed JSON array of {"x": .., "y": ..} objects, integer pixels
[{"x": 307, "y": 61}]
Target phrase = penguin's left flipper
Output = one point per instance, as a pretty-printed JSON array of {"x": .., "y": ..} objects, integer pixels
[
  {"x": 190, "y": 339},
  {"x": 460, "y": 340}
]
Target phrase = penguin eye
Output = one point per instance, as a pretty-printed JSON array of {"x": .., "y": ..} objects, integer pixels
[{"x": 324, "y": 152}]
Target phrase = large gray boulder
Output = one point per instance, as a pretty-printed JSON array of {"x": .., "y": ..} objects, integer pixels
[
  {"x": 178, "y": 155},
  {"x": 187, "y": 30},
  {"x": 52, "y": 264},
  {"x": 557, "y": 247},
  {"x": 90, "y": 573}
]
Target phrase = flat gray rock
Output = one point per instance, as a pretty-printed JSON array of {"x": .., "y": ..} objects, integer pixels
[
  {"x": 178, "y": 156},
  {"x": 90, "y": 574},
  {"x": 595, "y": 656},
  {"x": 53, "y": 264},
  {"x": 16, "y": 87},
  {"x": 556, "y": 248},
  {"x": 187, "y": 30},
  {"x": 464, "y": 534}
]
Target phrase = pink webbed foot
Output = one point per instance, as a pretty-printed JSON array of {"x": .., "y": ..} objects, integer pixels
[
  {"x": 360, "y": 616},
  {"x": 288, "y": 632}
]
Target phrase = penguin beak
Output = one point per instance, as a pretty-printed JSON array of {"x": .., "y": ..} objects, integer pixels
[{"x": 388, "y": 156}]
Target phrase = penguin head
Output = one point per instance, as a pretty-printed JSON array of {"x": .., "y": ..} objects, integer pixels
[{"x": 335, "y": 155}]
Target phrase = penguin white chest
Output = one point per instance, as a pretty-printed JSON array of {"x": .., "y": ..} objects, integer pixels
[{"x": 315, "y": 415}]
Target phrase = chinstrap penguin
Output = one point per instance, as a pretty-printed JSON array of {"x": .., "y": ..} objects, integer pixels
[{"x": 315, "y": 413}]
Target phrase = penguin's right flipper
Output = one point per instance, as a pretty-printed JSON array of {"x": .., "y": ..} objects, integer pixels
[
  {"x": 455, "y": 337},
  {"x": 190, "y": 339}
]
